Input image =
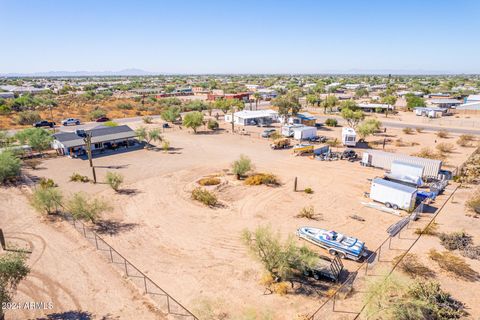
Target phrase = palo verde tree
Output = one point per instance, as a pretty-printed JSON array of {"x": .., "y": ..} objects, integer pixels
[
  {"x": 287, "y": 105},
  {"x": 230, "y": 106},
  {"x": 144, "y": 134},
  {"x": 329, "y": 103},
  {"x": 279, "y": 258},
  {"x": 368, "y": 127},
  {"x": 193, "y": 120},
  {"x": 13, "y": 269},
  {"x": 37, "y": 138},
  {"x": 84, "y": 207},
  {"x": 390, "y": 100},
  {"x": 171, "y": 114},
  {"x": 241, "y": 166},
  {"x": 47, "y": 199},
  {"x": 9, "y": 166},
  {"x": 353, "y": 117}
]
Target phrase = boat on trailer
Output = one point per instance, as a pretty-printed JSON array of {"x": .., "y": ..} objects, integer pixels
[{"x": 336, "y": 243}]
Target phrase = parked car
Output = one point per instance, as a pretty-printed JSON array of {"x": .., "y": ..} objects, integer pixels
[
  {"x": 268, "y": 133},
  {"x": 349, "y": 154},
  {"x": 320, "y": 139},
  {"x": 102, "y": 119},
  {"x": 44, "y": 123},
  {"x": 70, "y": 121},
  {"x": 165, "y": 125}
]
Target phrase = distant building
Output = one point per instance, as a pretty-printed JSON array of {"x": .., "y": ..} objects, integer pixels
[
  {"x": 374, "y": 107},
  {"x": 471, "y": 106},
  {"x": 7, "y": 95},
  {"x": 243, "y": 96},
  {"x": 444, "y": 103},
  {"x": 256, "y": 117},
  {"x": 472, "y": 98},
  {"x": 267, "y": 94},
  {"x": 200, "y": 90}
]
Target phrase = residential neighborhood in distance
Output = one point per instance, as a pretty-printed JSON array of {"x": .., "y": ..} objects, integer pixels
[{"x": 239, "y": 161}]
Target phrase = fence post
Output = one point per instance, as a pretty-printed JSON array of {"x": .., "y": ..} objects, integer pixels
[
  {"x": 145, "y": 283},
  {"x": 379, "y": 252},
  {"x": 84, "y": 233},
  {"x": 295, "y": 185},
  {"x": 389, "y": 243},
  {"x": 126, "y": 270},
  {"x": 111, "y": 255},
  {"x": 96, "y": 242},
  {"x": 168, "y": 303}
]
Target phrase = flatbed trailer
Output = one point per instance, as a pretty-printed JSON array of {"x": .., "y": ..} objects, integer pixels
[{"x": 326, "y": 268}]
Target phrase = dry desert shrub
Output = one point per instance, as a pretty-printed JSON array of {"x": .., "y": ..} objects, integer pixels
[
  {"x": 309, "y": 213},
  {"x": 32, "y": 163},
  {"x": 465, "y": 140},
  {"x": 445, "y": 147},
  {"x": 429, "y": 230},
  {"x": 453, "y": 264},
  {"x": 455, "y": 240},
  {"x": 407, "y": 130},
  {"x": 428, "y": 153},
  {"x": 209, "y": 181},
  {"x": 308, "y": 190},
  {"x": 399, "y": 143},
  {"x": 204, "y": 196},
  {"x": 262, "y": 178},
  {"x": 412, "y": 267},
  {"x": 419, "y": 130},
  {"x": 443, "y": 134},
  {"x": 76, "y": 177},
  {"x": 473, "y": 204}
]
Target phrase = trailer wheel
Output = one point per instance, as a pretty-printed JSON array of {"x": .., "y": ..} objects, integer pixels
[
  {"x": 341, "y": 255},
  {"x": 395, "y": 207},
  {"x": 332, "y": 252},
  {"x": 388, "y": 205}
]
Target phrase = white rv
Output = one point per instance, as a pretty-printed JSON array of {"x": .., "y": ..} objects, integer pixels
[
  {"x": 349, "y": 137},
  {"x": 288, "y": 130},
  {"x": 303, "y": 133}
]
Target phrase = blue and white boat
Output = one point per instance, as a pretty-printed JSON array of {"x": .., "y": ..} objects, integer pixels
[{"x": 336, "y": 243}]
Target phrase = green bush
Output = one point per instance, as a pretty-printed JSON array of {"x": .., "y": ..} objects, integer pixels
[
  {"x": 28, "y": 117},
  {"x": 37, "y": 138},
  {"x": 241, "y": 166},
  {"x": 204, "y": 196},
  {"x": 82, "y": 207},
  {"x": 308, "y": 190},
  {"x": 110, "y": 124},
  {"x": 98, "y": 113},
  {"x": 114, "y": 180},
  {"x": 47, "y": 183},
  {"x": 331, "y": 122},
  {"x": 147, "y": 119},
  {"x": 124, "y": 106},
  {"x": 9, "y": 166},
  {"x": 212, "y": 124},
  {"x": 47, "y": 200}
]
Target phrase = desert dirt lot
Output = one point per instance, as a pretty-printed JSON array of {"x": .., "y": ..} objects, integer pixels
[
  {"x": 194, "y": 252},
  {"x": 65, "y": 270}
]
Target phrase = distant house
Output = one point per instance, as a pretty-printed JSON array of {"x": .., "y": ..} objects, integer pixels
[
  {"x": 304, "y": 118},
  {"x": 255, "y": 117},
  {"x": 430, "y": 112},
  {"x": 372, "y": 107},
  {"x": 267, "y": 94},
  {"x": 73, "y": 143},
  {"x": 242, "y": 96},
  {"x": 472, "y": 106},
  {"x": 472, "y": 98},
  {"x": 444, "y": 103},
  {"x": 7, "y": 95}
]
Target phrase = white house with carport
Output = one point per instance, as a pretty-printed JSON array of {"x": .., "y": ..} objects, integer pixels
[
  {"x": 253, "y": 117},
  {"x": 103, "y": 138}
]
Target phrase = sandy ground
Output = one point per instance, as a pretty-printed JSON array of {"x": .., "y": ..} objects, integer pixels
[
  {"x": 195, "y": 252},
  {"x": 65, "y": 270}
]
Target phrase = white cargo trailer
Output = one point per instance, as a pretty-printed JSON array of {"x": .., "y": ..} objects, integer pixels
[
  {"x": 349, "y": 137},
  {"x": 302, "y": 133},
  {"x": 393, "y": 195},
  {"x": 384, "y": 160},
  {"x": 287, "y": 130},
  {"x": 408, "y": 169}
]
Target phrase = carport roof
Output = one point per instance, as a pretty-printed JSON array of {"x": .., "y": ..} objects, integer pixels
[{"x": 99, "y": 134}]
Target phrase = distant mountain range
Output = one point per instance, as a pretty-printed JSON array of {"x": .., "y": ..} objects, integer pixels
[
  {"x": 140, "y": 72},
  {"x": 125, "y": 72}
]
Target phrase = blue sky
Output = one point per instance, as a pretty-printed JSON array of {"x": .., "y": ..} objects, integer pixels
[{"x": 251, "y": 36}]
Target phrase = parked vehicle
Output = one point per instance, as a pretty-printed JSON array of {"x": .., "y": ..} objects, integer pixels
[
  {"x": 337, "y": 244},
  {"x": 304, "y": 133},
  {"x": 287, "y": 130},
  {"x": 44, "y": 123},
  {"x": 392, "y": 194},
  {"x": 301, "y": 148},
  {"x": 282, "y": 143},
  {"x": 321, "y": 139},
  {"x": 326, "y": 268},
  {"x": 349, "y": 154},
  {"x": 407, "y": 180},
  {"x": 165, "y": 125},
  {"x": 349, "y": 137},
  {"x": 70, "y": 121},
  {"x": 268, "y": 133},
  {"x": 102, "y": 119}
]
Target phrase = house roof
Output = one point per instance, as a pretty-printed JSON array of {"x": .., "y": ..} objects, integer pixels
[
  {"x": 99, "y": 134},
  {"x": 469, "y": 106},
  {"x": 252, "y": 114},
  {"x": 442, "y": 101},
  {"x": 473, "y": 97},
  {"x": 306, "y": 116}
]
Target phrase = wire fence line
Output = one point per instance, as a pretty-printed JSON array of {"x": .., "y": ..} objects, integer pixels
[
  {"x": 394, "y": 248},
  {"x": 165, "y": 302}
]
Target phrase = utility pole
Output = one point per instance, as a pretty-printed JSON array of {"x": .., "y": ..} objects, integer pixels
[{"x": 88, "y": 143}]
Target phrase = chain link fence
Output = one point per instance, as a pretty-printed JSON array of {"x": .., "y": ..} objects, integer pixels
[{"x": 165, "y": 303}]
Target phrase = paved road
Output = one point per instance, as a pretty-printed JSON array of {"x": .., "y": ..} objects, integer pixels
[{"x": 388, "y": 124}]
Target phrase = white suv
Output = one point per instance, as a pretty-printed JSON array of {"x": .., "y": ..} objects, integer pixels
[{"x": 70, "y": 121}]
